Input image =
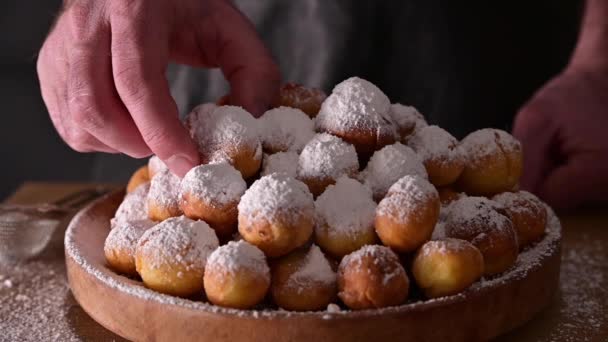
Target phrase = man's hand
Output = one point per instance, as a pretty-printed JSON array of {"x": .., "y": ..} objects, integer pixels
[
  {"x": 564, "y": 131},
  {"x": 102, "y": 72}
]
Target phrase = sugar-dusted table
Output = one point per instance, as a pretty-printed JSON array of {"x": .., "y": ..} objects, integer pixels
[{"x": 36, "y": 304}]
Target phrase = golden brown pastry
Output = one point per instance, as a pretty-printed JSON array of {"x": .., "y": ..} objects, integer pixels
[
  {"x": 303, "y": 281},
  {"x": 119, "y": 247},
  {"x": 446, "y": 267},
  {"x": 236, "y": 275},
  {"x": 276, "y": 214},
  {"x": 171, "y": 256},
  {"x": 406, "y": 217},
  {"x": 372, "y": 277},
  {"x": 306, "y": 99},
  {"x": 163, "y": 196},
  {"x": 528, "y": 214},
  {"x": 139, "y": 177}
]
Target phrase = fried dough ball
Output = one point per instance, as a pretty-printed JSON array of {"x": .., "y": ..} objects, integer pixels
[
  {"x": 226, "y": 134},
  {"x": 485, "y": 224},
  {"x": 493, "y": 162},
  {"x": 285, "y": 129},
  {"x": 528, "y": 214},
  {"x": 163, "y": 197},
  {"x": 119, "y": 247},
  {"x": 237, "y": 275},
  {"x": 407, "y": 119},
  {"x": 388, "y": 165},
  {"x": 285, "y": 162},
  {"x": 134, "y": 206},
  {"x": 447, "y": 195},
  {"x": 446, "y": 267},
  {"x": 372, "y": 277},
  {"x": 211, "y": 193},
  {"x": 344, "y": 217},
  {"x": 303, "y": 281},
  {"x": 325, "y": 159},
  {"x": 155, "y": 165},
  {"x": 276, "y": 214},
  {"x": 171, "y": 256},
  {"x": 358, "y": 112},
  {"x": 406, "y": 217},
  {"x": 306, "y": 99},
  {"x": 440, "y": 154},
  {"x": 138, "y": 178}
]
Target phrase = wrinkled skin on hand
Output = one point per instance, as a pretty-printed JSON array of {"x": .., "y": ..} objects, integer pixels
[
  {"x": 564, "y": 132},
  {"x": 102, "y": 72}
]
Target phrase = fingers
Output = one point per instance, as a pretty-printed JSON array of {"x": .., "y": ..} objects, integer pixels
[
  {"x": 533, "y": 129},
  {"x": 93, "y": 103},
  {"x": 52, "y": 67},
  {"x": 139, "y": 60},
  {"x": 582, "y": 179},
  {"x": 232, "y": 43}
]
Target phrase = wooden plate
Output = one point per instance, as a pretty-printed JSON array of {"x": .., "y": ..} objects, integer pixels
[{"x": 487, "y": 309}]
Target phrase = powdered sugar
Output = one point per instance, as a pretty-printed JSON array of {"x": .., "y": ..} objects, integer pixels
[
  {"x": 134, "y": 206},
  {"x": 178, "y": 240},
  {"x": 445, "y": 246},
  {"x": 236, "y": 256},
  {"x": 155, "y": 165},
  {"x": 386, "y": 260},
  {"x": 216, "y": 184},
  {"x": 521, "y": 202},
  {"x": 390, "y": 164},
  {"x": 327, "y": 156},
  {"x": 407, "y": 196},
  {"x": 219, "y": 131},
  {"x": 285, "y": 129},
  {"x": 486, "y": 142},
  {"x": 276, "y": 194},
  {"x": 285, "y": 162},
  {"x": 407, "y": 119},
  {"x": 436, "y": 144},
  {"x": 164, "y": 189},
  {"x": 125, "y": 234},
  {"x": 346, "y": 207},
  {"x": 472, "y": 216},
  {"x": 315, "y": 269},
  {"x": 356, "y": 104}
]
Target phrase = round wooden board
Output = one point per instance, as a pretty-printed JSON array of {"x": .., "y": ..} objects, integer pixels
[{"x": 487, "y": 309}]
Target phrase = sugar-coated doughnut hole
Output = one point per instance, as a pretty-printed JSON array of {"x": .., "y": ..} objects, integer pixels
[
  {"x": 528, "y": 214},
  {"x": 446, "y": 267},
  {"x": 134, "y": 206},
  {"x": 211, "y": 193},
  {"x": 344, "y": 217},
  {"x": 388, "y": 165},
  {"x": 448, "y": 194},
  {"x": 171, "y": 256},
  {"x": 358, "y": 112},
  {"x": 237, "y": 275},
  {"x": 303, "y": 281},
  {"x": 372, "y": 277},
  {"x": 276, "y": 214},
  {"x": 285, "y": 162},
  {"x": 226, "y": 134},
  {"x": 493, "y": 162},
  {"x": 306, "y": 99},
  {"x": 485, "y": 224},
  {"x": 119, "y": 247},
  {"x": 285, "y": 129},
  {"x": 155, "y": 165},
  {"x": 407, "y": 119},
  {"x": 139, "y": 177},
  {"x": 323, "y": 160},
  {"x": 440, "y": 154},
  {"x": 163, "y": 196},
  {"x": 406, "y": 217}
]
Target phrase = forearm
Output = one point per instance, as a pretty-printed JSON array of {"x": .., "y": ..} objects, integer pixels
[{"x": 592, "y": 48}]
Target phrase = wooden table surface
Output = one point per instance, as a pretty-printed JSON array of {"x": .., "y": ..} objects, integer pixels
[{"x": 578, "y": 313}]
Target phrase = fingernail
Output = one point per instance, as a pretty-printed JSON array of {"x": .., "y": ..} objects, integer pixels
[{"x": 180, "y": 164}]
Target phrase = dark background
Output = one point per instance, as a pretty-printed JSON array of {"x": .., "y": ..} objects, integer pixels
[{"x": 463, "y": 66}]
